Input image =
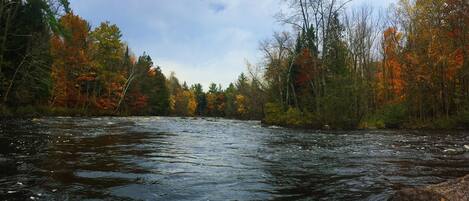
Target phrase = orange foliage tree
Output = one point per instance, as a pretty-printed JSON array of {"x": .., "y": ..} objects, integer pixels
[
  {"x": 390, "y": 80},
  {"x": 73, "y": 73}
]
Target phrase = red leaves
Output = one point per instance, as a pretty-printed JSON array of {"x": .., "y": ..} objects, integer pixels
[
  {"x": 86, "y": 77},
  {"x": 307, "y": 70},
  {"x": 106, "y": 103},
  {"x": 140, "y": 102},
  {"x": 390, "y": 77},
  {"x": 71, "y": 66},
  {"x": 137, "y": 101},
  {"x": 456, "y": 61}
]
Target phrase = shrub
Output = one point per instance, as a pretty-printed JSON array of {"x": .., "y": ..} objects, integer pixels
[
  {"x": 311, "y": 120},
  {"x": 294, "y": 117},
  {"x": 462, "y": 119},
  {"x": 394, "y": 115},
  {"x": 444, "y": 123},
  {"x": 274, "y": 114},
  {"x": 4, "y": 111},
  {"x": 45, "y": 110},
  {"x": 26, "y": 111},
  {"x": 373, "y": 122}
]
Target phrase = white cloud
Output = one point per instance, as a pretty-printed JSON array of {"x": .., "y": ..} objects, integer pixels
[
  {"x": 203, "y": 41},
  {"x": 220, "y": 70}
]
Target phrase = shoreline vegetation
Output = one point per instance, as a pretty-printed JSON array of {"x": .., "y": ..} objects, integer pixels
[
  {"x": 291, "y": 119},
  {"x": 336, "y": 68}
]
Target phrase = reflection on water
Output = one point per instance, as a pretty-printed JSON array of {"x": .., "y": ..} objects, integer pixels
[{"x": 213, "y": 159}]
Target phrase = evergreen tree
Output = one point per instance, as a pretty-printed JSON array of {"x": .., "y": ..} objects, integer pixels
[{"x": 201, "y": 99}]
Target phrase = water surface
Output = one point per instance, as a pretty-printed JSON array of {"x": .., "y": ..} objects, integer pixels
[{"x": 156, "y": 158}]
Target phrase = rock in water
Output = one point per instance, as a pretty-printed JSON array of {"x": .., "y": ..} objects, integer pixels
[
  {"x": 466, "y": 147},
  {"x": 326, "y": 127},
  {"x": 415, "y": 194},
  {"x": 453, "y": 190},
  {"x": 450, "y": 150}
]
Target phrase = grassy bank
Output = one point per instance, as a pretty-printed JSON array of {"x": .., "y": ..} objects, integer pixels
[{"x": 390, "y": 117}]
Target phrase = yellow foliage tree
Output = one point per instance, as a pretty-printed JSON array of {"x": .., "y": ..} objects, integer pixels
[
  {"x": 240, "y": 105},
  {"x": 183, "y": 103},
  {"x": 191, "y": 102}
]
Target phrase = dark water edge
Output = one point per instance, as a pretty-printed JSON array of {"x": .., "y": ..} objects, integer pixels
[
  {"x": 167, "y": 158},
  {"x": 46, "y": 112}
]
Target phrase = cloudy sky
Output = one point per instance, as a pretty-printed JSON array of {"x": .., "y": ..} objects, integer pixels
[{"x": 202, "y": 41}]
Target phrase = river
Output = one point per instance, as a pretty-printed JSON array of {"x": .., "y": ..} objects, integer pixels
[{"x": 163, "y": 158}]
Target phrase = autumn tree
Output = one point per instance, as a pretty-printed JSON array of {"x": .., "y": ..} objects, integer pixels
[
  {"x": 73, "y": 73},
  {"x": 24, "y": 50},
  {"x": 432, "y": 56},
  {"x": 215, "y": 101},
  {"x": 391, "y": 81},
  {"x": 277, "y": 53},
  {"x": 108, "y": 54},
  {"x": 148, "y": 93},
  {"x": 183, "y": 100}
]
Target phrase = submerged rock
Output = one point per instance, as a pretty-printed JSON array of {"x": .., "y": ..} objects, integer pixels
[
  {"x": 466, "y": 147},
  {"x": 451, "y": 151},
  {"x": 327, "y": 127},
  {"x": 453, "y": 190}
]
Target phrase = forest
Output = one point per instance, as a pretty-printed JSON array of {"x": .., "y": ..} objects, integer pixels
[{"x": 335, "y": 68}]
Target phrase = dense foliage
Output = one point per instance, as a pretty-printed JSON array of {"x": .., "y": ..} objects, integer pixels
[
  {"x": 54, "y": 63},
  {"x": 336, "y": 68},
  {"x": 346, "y": 73}
]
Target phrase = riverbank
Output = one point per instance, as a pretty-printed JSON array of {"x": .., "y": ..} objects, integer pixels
[
  {"x": 383, "y": 119},
  {"x": 292, "y": 118},
  {"x": 42, "y": 111},
  {"x": 452, "y": 190},
  {"x": 365, "y": 125}
]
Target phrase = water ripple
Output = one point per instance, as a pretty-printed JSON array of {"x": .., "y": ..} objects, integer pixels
[{"x": 163, "y": 158}]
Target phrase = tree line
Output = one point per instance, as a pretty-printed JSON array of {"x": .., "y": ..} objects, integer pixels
[
  {"x": 336, "y": 67},
  {"x": 350, "y": 68},
  {"x": 53, "y": 62}
]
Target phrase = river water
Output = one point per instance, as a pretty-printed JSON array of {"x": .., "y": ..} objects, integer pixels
[{"x": 162, "y": 158}]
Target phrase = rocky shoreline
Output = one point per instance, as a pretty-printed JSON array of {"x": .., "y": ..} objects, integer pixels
[{"x": 452, "y": 190}]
